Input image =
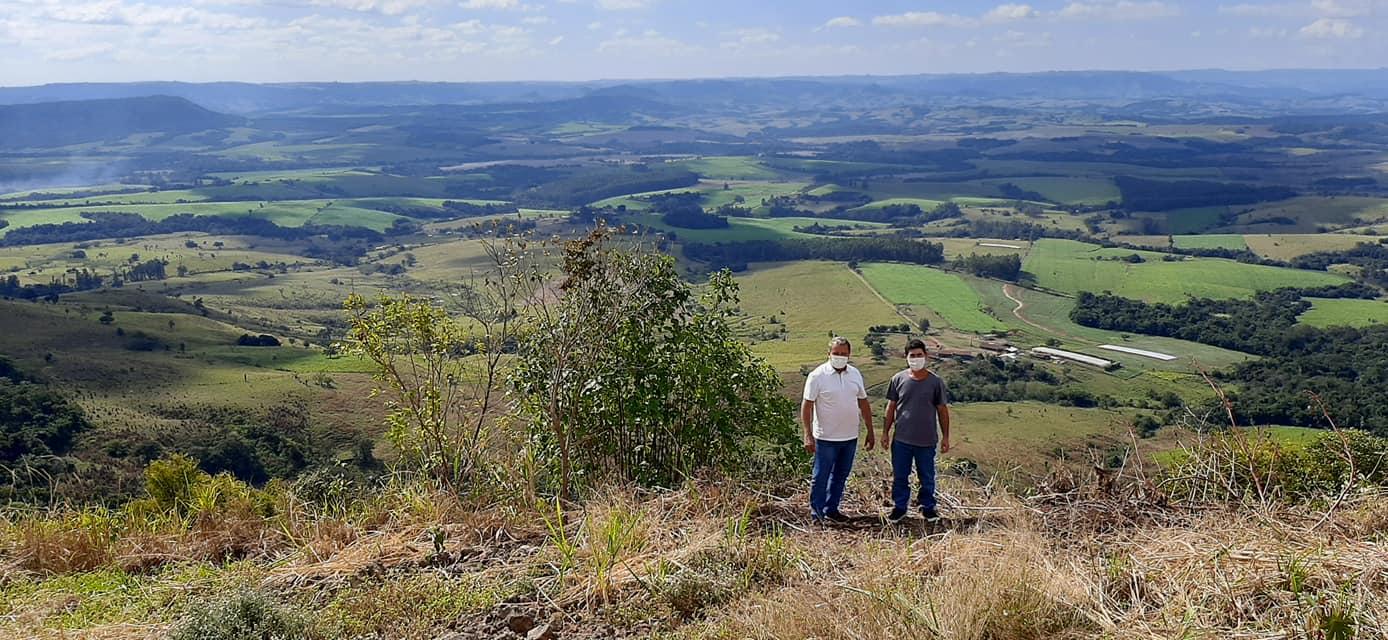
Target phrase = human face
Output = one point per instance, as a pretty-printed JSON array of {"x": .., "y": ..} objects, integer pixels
[{"x": 838, "y": 356}]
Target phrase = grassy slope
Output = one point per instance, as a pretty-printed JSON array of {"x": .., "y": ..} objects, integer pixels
[
  {"x": 944, "y": 293},
  {"x": 1337, "y": 312},
  {"x": 1065, "y": 265}
]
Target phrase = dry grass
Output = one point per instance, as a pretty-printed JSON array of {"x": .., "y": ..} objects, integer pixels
[{"x": 719, "y": 560}]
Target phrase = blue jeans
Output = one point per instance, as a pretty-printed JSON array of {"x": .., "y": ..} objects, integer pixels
[
  {"x": 924, "y": 458},
  {"x": 833, "y": 461}
]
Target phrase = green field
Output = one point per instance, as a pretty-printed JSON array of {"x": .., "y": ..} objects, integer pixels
[
  {"x": 1070, "y": 266},
  {"x": 944, "y": 293},
  {"x": 1053, "y": 313},
  {"x": 730, "y": 168},
  {"x": 1195, "y": 220},
  {"x": 1218, "y": 241},
  {"x": 287, "y": 214},
  {"x": 1001, "y": 436},
  {"x": 1233, "y": 242},
  {"x": 715, "y": 195},
  {"x": 813, "y": 300},
  {"x": 925, "y": 205},
  {"x": 1326, "y": 312},
  {"x": 1288, "y": 246}
]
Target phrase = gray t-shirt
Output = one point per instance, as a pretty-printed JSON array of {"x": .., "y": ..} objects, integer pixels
[{"x": 916, "y": 402}]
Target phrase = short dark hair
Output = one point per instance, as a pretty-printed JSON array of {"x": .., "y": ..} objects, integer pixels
[{"x": 915, "y": 344}]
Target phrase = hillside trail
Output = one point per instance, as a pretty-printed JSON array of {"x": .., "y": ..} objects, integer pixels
[
  {"x": 936, "y": 344},
  {"x": 1009, "y": 290}
]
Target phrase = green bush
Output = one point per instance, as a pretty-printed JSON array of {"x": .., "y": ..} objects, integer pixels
[
  {"x": 246, "y": 615},
  {"x": 1249, "y": 466}
]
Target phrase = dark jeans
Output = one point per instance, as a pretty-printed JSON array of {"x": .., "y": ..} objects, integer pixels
[
  {"x": 833, "y": 461},
  {"x": 903, "y": 455}
]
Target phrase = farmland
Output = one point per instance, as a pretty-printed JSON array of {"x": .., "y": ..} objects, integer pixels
[
  {"x": 1339, "y": 312},
  {"x": 366, "y": 187},
  {"x": 1069, "y": 266},
  {"x": 943, "y": 293}
]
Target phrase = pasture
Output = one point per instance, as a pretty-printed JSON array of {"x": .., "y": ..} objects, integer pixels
[
  {"x": 1070, "y": 266},
  {"x": 1288, "y": 246},
  {"x": 291, "y": 213},
  {"x": 944, "y": 293},
  {"x": 813, "y": 301},
  {"x": 1052, "y": 313},
  {"x": 730, "y": 168},
  {"x": 1340, "y": 312}
]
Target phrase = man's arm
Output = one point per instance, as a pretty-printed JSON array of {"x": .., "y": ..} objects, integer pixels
[
  {"x": 865, "y": 408},
  {"x": 807, "y": 420},
  {"x": 887, "y": 421},
  {"x": 943, "y": 412}
]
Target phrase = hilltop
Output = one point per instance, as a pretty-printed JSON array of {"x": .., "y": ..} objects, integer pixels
[{"x": 58, "y": 124}]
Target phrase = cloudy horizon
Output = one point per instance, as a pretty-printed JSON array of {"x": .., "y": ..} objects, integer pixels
[{"x": 50, "y": 41}]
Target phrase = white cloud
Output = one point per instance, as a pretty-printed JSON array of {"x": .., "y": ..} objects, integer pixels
[
  {"x": 79, "y": 53},
  {"x": 555, "y": 40},
  {"x": 1347, "y": 8},
  {"x": 842, "y": 21},
  {"x": 1009, "y": 12},
  {"x": 490, "y": 4},
  {"x": 1120, "y": 10},
  {"x": 536, "y": 20},
  {"x": 386, "y": 7},
  {"x": 1018, "y": 39},
  {"x": 622, "y": 5},
  {"x": 920, "y": 19},
  {"x": 594, "y": 26},
  {"x": 649, "y": 42},
  {"x": 1331, "y": 29},
  {"x": 1274, "y": 10},
  {"x": 744, "y": 38}
]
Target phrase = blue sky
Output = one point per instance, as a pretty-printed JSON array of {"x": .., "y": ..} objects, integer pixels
[{"x": 462, "y": 40}]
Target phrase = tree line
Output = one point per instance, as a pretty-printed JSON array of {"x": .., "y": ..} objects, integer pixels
[
  {"x": 1347, "y": 367},
  {"x": 735, "y": 256}
]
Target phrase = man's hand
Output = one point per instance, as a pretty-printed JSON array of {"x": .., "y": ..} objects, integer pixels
[
  {"x": 944, "y": 445},
  {"x": 809, "y": 445},
  {"x": 871, "y": 441}
]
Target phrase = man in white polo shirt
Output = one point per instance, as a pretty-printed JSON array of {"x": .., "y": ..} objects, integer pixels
[{"x": 835, "y": 397}]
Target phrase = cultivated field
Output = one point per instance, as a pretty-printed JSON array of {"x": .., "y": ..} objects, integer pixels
[
  {"x": 1069, "y": 266},
  {"x": 943, "y": 293}
]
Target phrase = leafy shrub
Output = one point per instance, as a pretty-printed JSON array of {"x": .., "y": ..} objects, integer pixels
[{"x": 246, "y": 615}]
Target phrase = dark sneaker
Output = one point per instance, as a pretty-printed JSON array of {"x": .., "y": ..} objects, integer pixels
[
  {"x": 897, "y": 515},
  {"x": 930, "y": 515},
  {"x": 834, "y": 516}
]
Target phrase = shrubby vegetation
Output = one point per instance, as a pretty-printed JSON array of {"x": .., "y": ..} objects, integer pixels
[
  {"x": 736, "y": 255},
  {"x": 1159, "y": 195},
  {"x": 583, "y": 188},
  {"x": 993, "y": 379},
  {"x": 1002, "y": 267},
  {"x": 632, "y": 375}
]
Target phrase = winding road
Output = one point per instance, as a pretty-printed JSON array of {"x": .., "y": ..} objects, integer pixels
[{"x": 1009, "y": 291}]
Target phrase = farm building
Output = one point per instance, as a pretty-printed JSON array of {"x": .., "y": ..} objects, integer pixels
[{"x": 1047, "y": 352}]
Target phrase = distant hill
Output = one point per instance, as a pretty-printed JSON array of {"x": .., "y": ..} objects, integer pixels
[
  {"x": 53, "y": 124},
  {"x": 1313, "y": 90}
]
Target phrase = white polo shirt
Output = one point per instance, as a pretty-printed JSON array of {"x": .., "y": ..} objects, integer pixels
[{"x": 835, "y": 396}]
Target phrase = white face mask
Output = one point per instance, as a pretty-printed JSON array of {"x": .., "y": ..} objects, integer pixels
[
  {"x": 916, "y": 364},
  {"x": 838, "y": 362}
]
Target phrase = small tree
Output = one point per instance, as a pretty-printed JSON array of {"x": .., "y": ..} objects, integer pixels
[
  {"x": 443, "y": 367},
  {"x": 629, "y": 374}
]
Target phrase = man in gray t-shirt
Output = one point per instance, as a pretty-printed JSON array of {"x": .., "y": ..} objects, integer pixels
[{"x": 918, "y": 405}]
